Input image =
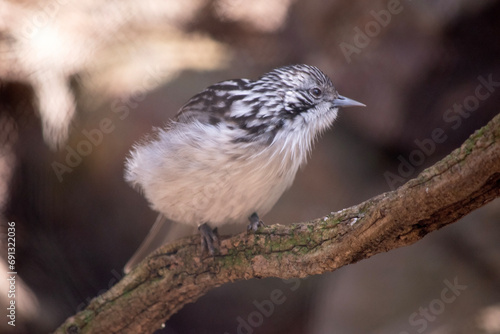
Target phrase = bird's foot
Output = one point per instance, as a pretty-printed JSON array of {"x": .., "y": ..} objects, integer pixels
[
  {"x": 255, "y": 222},
  {"x": 209, "y": 238}
]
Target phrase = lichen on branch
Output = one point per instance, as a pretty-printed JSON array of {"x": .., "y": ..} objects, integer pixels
[{"x": 177, "y": 274}]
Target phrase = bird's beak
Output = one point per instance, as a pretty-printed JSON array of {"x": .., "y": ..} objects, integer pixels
[{"x": 342, "y": 101}]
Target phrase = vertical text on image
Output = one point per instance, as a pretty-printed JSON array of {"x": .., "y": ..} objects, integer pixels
[{"x": 11, "y": 274}]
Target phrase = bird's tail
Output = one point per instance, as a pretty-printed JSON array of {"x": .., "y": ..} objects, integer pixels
[{"x": 162, "y": 232}]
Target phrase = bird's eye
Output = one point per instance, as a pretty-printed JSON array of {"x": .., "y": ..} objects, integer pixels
[{"x": 316, "y": 92}]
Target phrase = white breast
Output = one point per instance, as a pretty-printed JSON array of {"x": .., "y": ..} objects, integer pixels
[{"x": 194, "y": 176}]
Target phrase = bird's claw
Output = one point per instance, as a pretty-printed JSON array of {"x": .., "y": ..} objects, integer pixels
[
  {"x": 255, "y": 222},
  {"x": 209, "y": 238}
]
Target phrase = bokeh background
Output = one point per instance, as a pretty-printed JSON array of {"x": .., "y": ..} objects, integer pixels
[{"x": 110, "y": 71}]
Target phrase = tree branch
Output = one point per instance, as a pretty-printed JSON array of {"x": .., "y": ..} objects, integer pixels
[{"x": 175, "y": 274}]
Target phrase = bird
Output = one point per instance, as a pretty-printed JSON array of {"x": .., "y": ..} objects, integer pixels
[{"x": 231, "y": 151}]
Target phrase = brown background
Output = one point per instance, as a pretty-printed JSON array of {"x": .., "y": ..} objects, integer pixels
[{"x": 134, "y": 64}]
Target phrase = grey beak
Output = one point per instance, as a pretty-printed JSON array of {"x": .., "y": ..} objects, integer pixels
[{"x": 342, "y": 101}]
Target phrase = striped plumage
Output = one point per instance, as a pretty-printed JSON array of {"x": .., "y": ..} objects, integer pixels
[
  {"x": 233, "y": 149},
  {"x": 259, "y": 107}
]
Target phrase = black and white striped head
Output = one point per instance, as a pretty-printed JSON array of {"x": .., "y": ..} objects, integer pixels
[
  {"x": 302, "y": 89},
  {"x": 287, "y": 98}
]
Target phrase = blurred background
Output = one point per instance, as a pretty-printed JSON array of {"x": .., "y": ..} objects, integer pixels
[{"x": 80, "y": 82}]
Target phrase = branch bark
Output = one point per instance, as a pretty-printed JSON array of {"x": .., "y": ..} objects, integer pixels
[{"x": 175, "y": 274}]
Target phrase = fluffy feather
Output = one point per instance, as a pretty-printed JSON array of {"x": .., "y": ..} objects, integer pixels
[{"x": 234, "y": 148}]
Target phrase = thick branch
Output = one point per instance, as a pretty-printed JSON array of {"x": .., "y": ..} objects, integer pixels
[{"x": 175, "y": 274}]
